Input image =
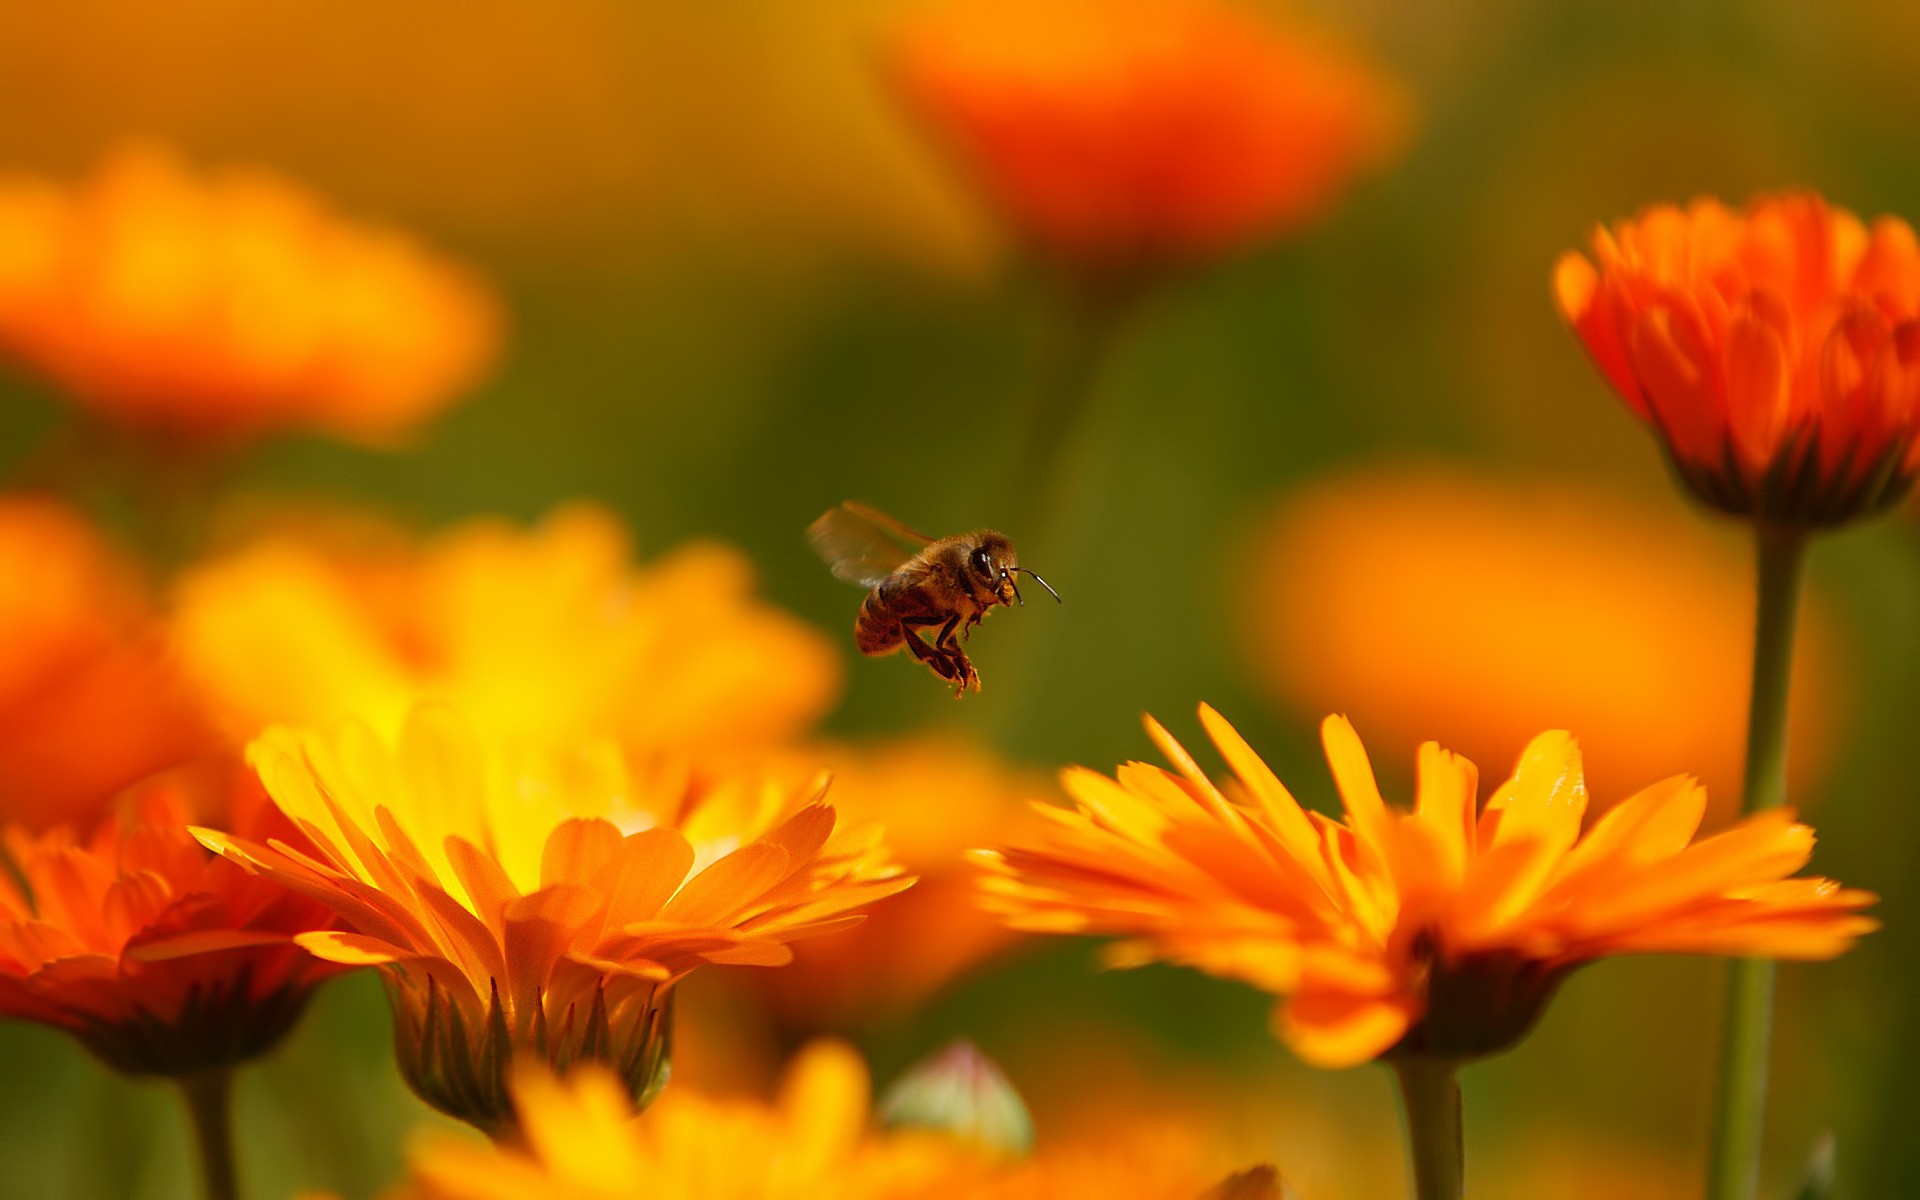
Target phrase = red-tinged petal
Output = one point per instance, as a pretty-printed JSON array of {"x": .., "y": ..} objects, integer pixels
[
  {"x": 1759, "y": 394},
  {"x": 1680, "y": 377},
  {"x": 206, "y": 941}
]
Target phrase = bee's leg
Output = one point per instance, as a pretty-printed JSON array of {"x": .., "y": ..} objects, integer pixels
[
  {"x": 934, "y": 658},
  {"x": 966, "y": 634},
  {"x": 945, "y": 640}
]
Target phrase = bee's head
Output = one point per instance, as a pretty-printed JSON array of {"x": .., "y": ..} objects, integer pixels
[{"x": 991, "y": 566}]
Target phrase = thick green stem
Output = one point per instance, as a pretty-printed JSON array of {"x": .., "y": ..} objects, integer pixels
[
  {"x": 1733, "y": 1170},
  {"x": 209, "y": 1097},
  {"x": 1430, "y": 1094}
]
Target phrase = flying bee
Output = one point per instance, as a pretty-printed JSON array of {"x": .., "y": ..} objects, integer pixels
[{"x": 918, "y": 582}]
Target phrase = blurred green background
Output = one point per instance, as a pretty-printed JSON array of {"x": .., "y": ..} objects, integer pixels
[{"x": 741, "y": 290}]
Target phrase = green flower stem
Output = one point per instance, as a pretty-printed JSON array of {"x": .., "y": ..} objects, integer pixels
[
  {"x": 1430, "y": 1094},
  {"x": 1733, "y": 1170},
  {"x": 209, "y": 1097},
  {"x": 1073, "y": 349}
]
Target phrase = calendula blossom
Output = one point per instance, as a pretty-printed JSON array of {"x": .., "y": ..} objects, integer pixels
[
  {"x": 1440, "y": 931},
  {"x": 211, "y": 308},
  {"x": 545, "y": 903},
  {"x": 815, "y": 1140},
  {"x": 155, "y": 955},
  {"x": 538, "y": 635},
  {"x": 1774, "y": 349},
  {"x": 1122, "y": 135}
]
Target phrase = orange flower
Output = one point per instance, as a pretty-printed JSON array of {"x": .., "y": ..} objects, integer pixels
[
  {"x": 538, "y": 636},
  {"x": 1775, "y": 350},
  {"x": 1439, "y": 932},
  {"x": 815, "y": 1139},
  {"x": 219, "y": 308},
  {"x": 89, "y": 699},
  {"x": 537, "y": 903},
  {"x": 1118, "y": 134},
  {"x": 936, "y": 796},
  {"x": 159, "y": 958},
  {"x": 1390, "y": 592}
]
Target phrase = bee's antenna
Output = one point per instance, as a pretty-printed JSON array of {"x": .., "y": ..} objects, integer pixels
[
  {"x": 1007, "y": 575},
  {"x": 1043, "y": 583}
]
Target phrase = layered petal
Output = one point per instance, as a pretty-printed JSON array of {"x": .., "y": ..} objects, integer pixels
[{"x": 1443, "y": 928}]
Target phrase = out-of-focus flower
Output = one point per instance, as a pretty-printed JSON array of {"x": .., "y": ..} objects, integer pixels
[
  {"x": 157, "y": 956},
  {"x": 89, "y": 699},
  {"x": 540, "y": 903},
  {"x": 936, "y": 796},
  {"x": 1391, "y": 593},
  {"x": 219, "y": 307},
  {"x": 1775, "y": 349},
  {"x": 1128, "y": 134},
  {"x": 582, "y": 1142},
  {"x": 538, "y": 636},
  {"x": 1439, "y": 932}
]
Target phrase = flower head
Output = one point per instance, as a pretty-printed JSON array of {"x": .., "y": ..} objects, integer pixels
[
  {"x": 219, "y": 307},
  {"x": 538, "y": 636},
  {"x": 581, "y": 1141},
  {"x": 1774, "y": 349},
  {"x": 1439, "y": 931},
  {"x": 1118, "y": 134},
  {"x": 542, "y": 903},
  {"x": 90, "y": 700},
  {"x": 160, "y": 958},
  {"x": 1389, "y": 593}
]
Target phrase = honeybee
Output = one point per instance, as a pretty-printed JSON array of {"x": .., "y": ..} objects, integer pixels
[{"x": 918, "y": 582}]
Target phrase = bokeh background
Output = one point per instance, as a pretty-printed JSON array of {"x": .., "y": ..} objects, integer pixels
[{"x": 742, "y": 285}]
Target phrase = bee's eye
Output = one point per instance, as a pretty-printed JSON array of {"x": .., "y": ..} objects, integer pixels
[{"x": 983, "y": 562}]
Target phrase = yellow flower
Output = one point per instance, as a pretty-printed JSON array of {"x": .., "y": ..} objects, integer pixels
[
  {"x": 218, "y": 308},
  {"x": 1441, "y": 931},
  {"x": 1390, "y": 592},
  {"x": 540, "y": 903},
  {"x": 813, "y": 1142},
  {"x": 537, "y": 635},
  {"x": 582, "y": 1143}
]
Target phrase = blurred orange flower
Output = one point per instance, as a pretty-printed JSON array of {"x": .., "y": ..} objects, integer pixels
[
  {"x": 1120, "y": 134},
  {"x": 216, "y": 308},
  {"x": 1439, "y": 932},
  {"x": 90, "y": 701},
  {"x": 936, "y": 796},
  {"x": 1390, "y": 593},
  {"x": 160, "y": 958},
  {"x": 814, "y": 1140},
  {"x": 536, "y": 902},
  {"x": 538, "y": 636},
  {"x": 1775, "y": 349}
]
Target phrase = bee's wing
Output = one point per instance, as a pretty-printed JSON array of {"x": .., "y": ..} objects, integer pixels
[{"x": 863, "y": 545}]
